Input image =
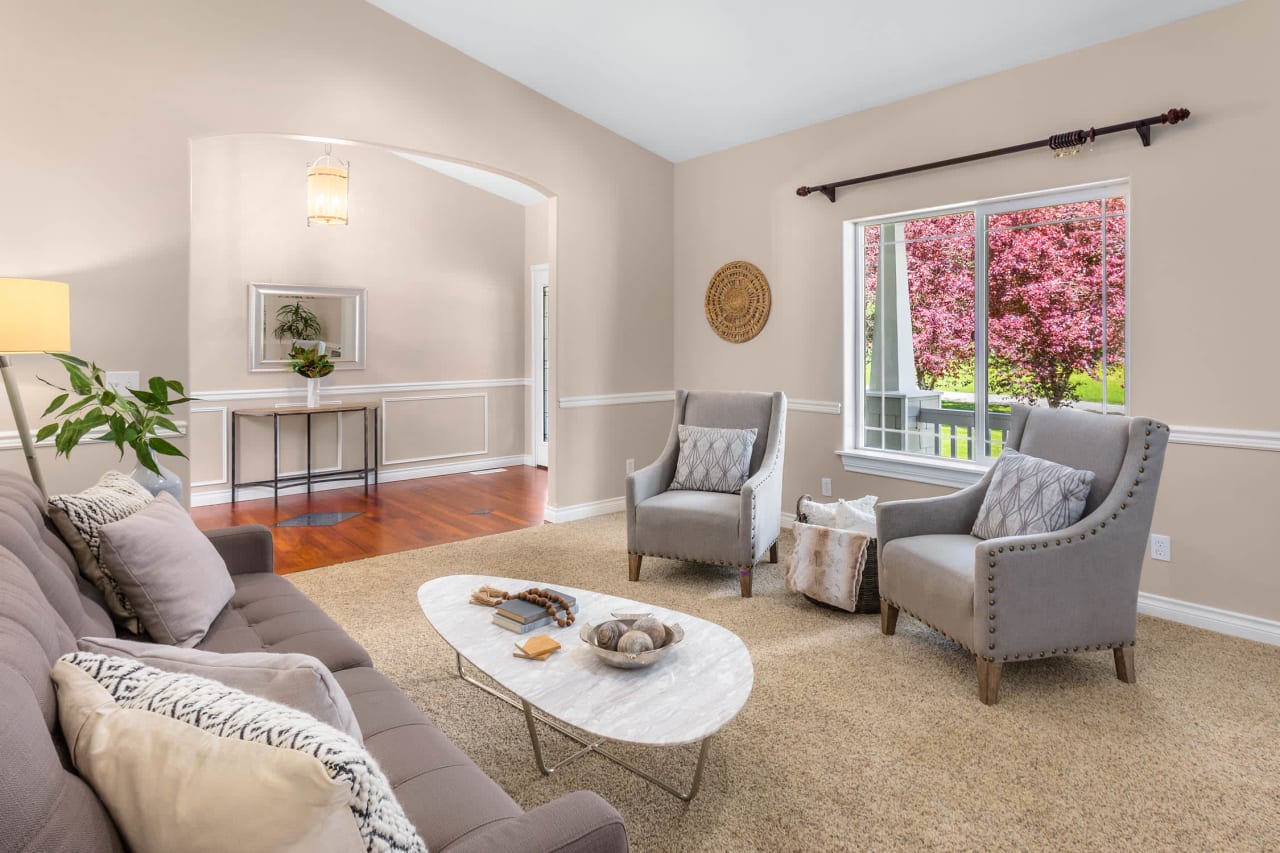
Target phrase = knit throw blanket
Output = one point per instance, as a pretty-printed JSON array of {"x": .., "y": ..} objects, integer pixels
[{"x": 827, "y": 564}]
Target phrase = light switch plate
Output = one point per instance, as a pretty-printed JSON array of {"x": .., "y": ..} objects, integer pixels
[{"x": 123, "y": 380}]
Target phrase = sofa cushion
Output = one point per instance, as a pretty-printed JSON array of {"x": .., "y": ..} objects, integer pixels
[
  {"x": 174, "y": 785},
  {"x": 267, "y": 613},
  {"x": 44, "y": 805},
  {"x": 81, "y": 516},
  {"x": 932, "y": 577},
  {"x": 27, "y": 535},
  {"x": 299, "y": 681},
  {"x": 169, "y": 571},
  {"x": 688, "y": 525},
  {"x": 441, "y": 790}
]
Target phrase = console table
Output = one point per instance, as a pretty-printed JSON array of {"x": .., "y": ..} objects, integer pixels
[{"x": 277, "y": 482}]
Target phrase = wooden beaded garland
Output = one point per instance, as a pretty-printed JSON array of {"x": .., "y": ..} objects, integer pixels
[{"x": 547, "y": 599}]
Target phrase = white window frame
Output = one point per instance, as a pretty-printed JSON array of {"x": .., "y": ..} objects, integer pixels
[{"x": 919, "y": 467}]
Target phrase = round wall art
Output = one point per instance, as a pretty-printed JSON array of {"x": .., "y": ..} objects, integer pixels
[{"x": 738, "y": 301}]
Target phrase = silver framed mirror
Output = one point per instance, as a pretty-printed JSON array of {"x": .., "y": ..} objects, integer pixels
[{"x": 282, "y": 316}]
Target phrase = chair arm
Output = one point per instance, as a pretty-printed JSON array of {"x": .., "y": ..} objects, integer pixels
[
  {"x": 581, "y": 822},
  {"x": 953, "y": 513},
  {"x": 1073, "y": 589},
  {"x": 245, "y": 549},
  {"x": 761, "y": 518},
  {"x": 651, "y": 480}
]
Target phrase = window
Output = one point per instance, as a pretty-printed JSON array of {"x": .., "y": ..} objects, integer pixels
[{"x": 957, "y": 313}]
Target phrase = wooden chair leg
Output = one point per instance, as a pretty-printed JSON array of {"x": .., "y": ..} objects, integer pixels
[
  {"x": 888, "y": 617},
  {"x": 989, "y": 681},
  {"x": 633, "y": 566},
  {"x": 744, "y": 581},
  {"x": 773, "y": 553},
  {"x": 1124, "y": 665}
]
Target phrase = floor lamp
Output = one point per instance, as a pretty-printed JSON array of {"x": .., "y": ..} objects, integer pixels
[{"x": 35, "y": 316}]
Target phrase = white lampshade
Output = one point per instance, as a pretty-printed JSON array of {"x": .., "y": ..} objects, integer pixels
[
  {"x": 35, "y": 316},
  {"x": 327, "y": 191}
]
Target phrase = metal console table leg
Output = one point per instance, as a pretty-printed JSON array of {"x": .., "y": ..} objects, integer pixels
[{"x": 531, "y": 717}]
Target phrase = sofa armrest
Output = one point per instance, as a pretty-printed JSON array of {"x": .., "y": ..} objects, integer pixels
[
  {"x": 581, "y": 822},
  {"x": 246, "y": 548},
  {"x": 953, "y": 513},
  {"x": 1051, "y": 593}
]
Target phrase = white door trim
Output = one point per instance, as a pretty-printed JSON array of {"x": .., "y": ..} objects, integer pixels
[{"x": 539, "y": 278}]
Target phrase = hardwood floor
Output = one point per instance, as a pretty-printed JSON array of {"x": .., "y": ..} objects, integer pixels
[{"x": 393, "y": 517}]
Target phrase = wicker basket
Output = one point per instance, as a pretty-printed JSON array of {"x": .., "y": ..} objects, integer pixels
[{"x": 869, "y": 591}]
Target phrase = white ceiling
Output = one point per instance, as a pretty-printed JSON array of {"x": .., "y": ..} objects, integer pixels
[{"x": 687, "y": 77}]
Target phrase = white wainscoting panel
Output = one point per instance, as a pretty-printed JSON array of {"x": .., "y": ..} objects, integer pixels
[
  {"x": 427, "y": 457},
  {"x": 221, "y": 411}
]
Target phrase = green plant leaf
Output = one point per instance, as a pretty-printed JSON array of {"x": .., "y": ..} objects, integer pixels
[
  {"x": 57, "y": 401},
  {"x": 77, "y": 406},
  {"x": 79, "y": 382},
  {"x": 68, "y": 358},
  {"x": 46, "y": 431},
  {"x": 144, "y": 397},
  {"x": 145, "y": 459},
  {"x": 159, "y": 387},
  {"x": 176, "y": 386},
  {"x": 167, "y": 424},
  {"x": 159, "y": 445},
  {"x": 50, "y": 384}
]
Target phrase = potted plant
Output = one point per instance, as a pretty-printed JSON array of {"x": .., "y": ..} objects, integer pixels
[
  {"x": 298, "y": 323},
  {"x": 314, "y": 365},
  {"x": 92, "y": 408}
]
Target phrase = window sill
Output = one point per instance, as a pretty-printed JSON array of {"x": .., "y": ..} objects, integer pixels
[{"x": 919, "y": 469}]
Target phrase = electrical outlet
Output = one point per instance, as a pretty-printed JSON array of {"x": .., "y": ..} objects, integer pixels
[
  {"x": 826, "y": 487},
  {"x": 1161, "y": 547},
  {"x": 122, "y": 380},
  {"x": 631, "y": 466}
]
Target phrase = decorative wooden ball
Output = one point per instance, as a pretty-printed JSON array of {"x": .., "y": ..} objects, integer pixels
[
  {"x": 654, "y": 628},
  {"x": 634, "y": 642},
  {"x": 607, "y": 635}
]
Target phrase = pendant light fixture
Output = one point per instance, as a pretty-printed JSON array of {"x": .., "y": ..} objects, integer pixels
[{"x": 327, "y": 190}]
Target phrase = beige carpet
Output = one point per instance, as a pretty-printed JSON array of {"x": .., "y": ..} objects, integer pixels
[{"x": 853, "y": 740}]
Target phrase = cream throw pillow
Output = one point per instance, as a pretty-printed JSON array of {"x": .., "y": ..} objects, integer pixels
[{"x": 171, "y": 786}]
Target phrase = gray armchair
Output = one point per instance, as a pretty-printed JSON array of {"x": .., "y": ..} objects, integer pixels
[
  {"x": 712, "y": 527},
  {"x": 1042, "y": 595}
]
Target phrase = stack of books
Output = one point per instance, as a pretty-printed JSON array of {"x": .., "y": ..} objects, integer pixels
[{"x": 521, "y": 616}]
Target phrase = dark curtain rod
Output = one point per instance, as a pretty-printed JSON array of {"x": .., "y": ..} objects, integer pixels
[{"x": 1070, "y": 139}]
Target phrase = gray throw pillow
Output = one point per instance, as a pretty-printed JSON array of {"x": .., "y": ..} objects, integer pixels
[
  {"x": 170, "y": 572},
  {"x": 1031, "y": 495},
  {"x": 713, "y": 459},
  {"x": 80, "y": 517},
  {"x": 296, "y": 680}
]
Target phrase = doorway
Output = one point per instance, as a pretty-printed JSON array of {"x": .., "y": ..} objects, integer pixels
[{"x": 540, "y": 336}]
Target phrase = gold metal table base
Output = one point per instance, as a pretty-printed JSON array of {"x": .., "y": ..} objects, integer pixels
[{"x": 532, "y": 716}]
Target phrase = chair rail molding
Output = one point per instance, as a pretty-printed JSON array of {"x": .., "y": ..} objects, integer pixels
[
  {"x": 1240, "y": 439},
  {"x": 225, "y": 395},
  {"x": 820, "y": 407}
]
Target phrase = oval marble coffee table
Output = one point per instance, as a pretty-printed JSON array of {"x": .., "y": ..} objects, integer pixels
[{"x": 684, "y": 698}]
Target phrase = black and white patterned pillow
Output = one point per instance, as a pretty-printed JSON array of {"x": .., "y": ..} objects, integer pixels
[
  {"x": 1031, "y": 495},
  {"x": 80, "y": 518},
  {"x": 713, "y": 459},
  {"x": 227, "y": 712}
]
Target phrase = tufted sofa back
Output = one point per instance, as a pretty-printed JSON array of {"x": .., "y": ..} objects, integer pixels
[{"x": 44, "y": 606}]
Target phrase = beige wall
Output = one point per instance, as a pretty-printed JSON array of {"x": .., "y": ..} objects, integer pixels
[
  {"x": 103, "y": 100},
  {"x": 1203, "y": 294},
  {"x": 442, "y": 265}
]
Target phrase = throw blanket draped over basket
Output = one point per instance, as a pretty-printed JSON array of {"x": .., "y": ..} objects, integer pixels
[{"x": 828, "y": 564}]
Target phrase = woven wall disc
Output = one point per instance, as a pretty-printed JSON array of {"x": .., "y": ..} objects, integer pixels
[{"x": 738, "y": 301}]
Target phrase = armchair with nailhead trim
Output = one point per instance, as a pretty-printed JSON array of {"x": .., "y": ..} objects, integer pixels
[
  {"x": 1020, "y": 598},
  {"x": 712, "y": 527}
]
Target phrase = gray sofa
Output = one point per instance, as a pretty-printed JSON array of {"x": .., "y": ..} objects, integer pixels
[
  {"x": 1019, "y": 598},
  {"x": 712, "y": 527},
  {"x": 45, "y": 606}
]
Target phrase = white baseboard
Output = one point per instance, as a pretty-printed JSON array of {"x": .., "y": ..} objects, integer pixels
[
  {"x": 561, "y": 514},
  {"x": 390, "y": 475},
  {"x": 1210, "y": 618}
]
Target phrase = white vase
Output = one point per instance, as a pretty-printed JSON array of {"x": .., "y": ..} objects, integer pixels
[
  {"x": 166, "y": 481},
  {"x": 313, "y": 393}
]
